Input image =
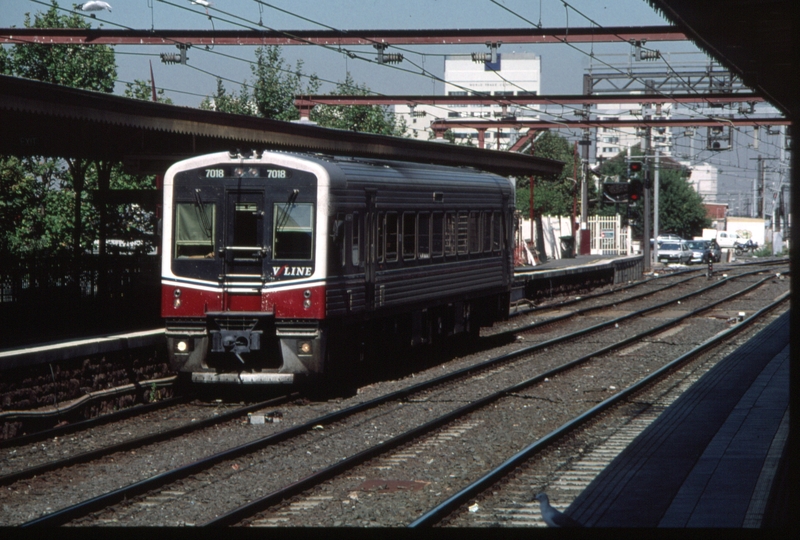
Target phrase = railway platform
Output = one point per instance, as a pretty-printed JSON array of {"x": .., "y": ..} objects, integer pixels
[
  {"x": 717, "y": 457},
  {"x": 572, "y": 274}
]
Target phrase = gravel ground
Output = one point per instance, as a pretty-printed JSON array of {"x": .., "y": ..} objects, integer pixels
[{"x": 478, "y": 443}]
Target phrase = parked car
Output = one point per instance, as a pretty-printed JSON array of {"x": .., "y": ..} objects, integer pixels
[
  {"x": 669, "y": 238},
  {"x": 699, "y": 247},
  {"x": 674, "y": 252},
  {"x": 665, "y": 238}
]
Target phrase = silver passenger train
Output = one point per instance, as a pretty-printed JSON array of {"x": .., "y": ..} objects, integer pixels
[{"x": 281, "y": 265}]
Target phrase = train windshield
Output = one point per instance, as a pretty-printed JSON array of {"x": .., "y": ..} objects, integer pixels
[
  {"x": 293, "y": 231},
  {"x": 194, "y": 230}
]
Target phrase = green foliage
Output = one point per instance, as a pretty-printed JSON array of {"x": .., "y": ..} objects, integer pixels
[
  {"x": 143, "y": 90},
  {"x": 680, "y": 207},
  {"x": 222, "y": 101},
  {"x": 275, "y": 86},
  {"x": 91, "y": 67},
  {"x": 554, "y": 195},
  {"x": 363, "y": 118},
  {"x": 273, "y": 89},
  {"x": 39, "y": 197},
  {"x": 35, "y": 210}
]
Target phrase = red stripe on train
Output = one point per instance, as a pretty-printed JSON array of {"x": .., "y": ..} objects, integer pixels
[{"x": 301, "y": 303}]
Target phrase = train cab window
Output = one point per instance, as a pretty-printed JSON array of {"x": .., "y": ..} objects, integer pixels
[
  {"x": 246, "y": 224},
  {"x": 195, "y": 230},
  {"x": 424, "y": 236},
  {"x": 391, "y": 236},
  {"x": 437, "y": 235},
  {"x": 486, "y": 228},
  {"x": 409, "y": 235},
  {"x": 355, "y": 241},
  {"x": 474, "y": 232},
  {"x": 293, "y": 231},
  {"x": 497, "y": 231},
  {"x": 450, "y": 233},
  {"x": 462, "y": 233}
]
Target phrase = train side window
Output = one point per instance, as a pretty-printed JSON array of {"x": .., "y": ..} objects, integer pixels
[
  {"x": 497, "y": 231},
  {"x": 486, "y": 228},
  {"x": 409, "y": 235},
  {"x": 474, "y": 232},
  {"x": 424, "y": 236},
  {"x": 391, "y": 236},
  {"x": 293, "y": 231},
  {"x": 463, "y": 233},
  {"x": 379, "y": 239},
  {"x": 450, "y": 233},
  {"x": 195, "y": 230},
  {"x": 338, "y": 236},
  {"x": 437, "y": 235},
  {"x": 355, "y": 241}
]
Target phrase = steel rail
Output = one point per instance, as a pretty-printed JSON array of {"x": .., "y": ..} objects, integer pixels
[
  {"x": 70, "y": 513},
  {"x": 139, "y": 441},
  {"x": 437, "y": 513},
  {"x": 295, "y": 488},
  {"x": 134, "y": 410}
]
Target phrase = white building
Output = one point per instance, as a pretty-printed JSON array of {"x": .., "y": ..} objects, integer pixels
[
  {"x": 513, "y": 74},
  {"x": 612, "y": 141},
  {"x": 704, "y": 179}
]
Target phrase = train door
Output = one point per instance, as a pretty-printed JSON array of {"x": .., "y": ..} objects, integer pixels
[
  {"x": 245, "y": 248},
  {"x": 371, "y": 245}
]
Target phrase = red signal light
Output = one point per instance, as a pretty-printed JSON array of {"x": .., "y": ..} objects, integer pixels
[{"x": 635, "y": 167}]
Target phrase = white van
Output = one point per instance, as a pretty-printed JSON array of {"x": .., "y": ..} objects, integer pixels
[{"x": 726, "y": 239}]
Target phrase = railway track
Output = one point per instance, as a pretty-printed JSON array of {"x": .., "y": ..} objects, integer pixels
[{"x": 361, "y": 421}]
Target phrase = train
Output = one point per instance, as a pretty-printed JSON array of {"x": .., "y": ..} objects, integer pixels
[{"x": 280, "y": 266}]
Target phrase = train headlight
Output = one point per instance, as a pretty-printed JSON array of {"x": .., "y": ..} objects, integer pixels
[
  {"x": 304, "y": 347},
  {"x": 182, "y": 346},
  {"x": 306, "y": 303}
]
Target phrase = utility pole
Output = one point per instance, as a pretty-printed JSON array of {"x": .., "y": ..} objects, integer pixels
[
  {"x": 655, "y": 205},
  {"x": 585, "y": 235},
  {"x": 646, "y": 209},
  {"x": 762, "y": 178}
]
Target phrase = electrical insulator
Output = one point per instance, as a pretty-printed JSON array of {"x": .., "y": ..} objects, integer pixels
[
  {"x": 481, "y": 58},
  {"x": 390, "y": 58},
  {"x": 649, "y": 55},
  {"x": 171, "y": 58},
  {"x": 641, "y": 54},
  {"x": 387, "y": 58},
  {"x": 179, "y": 58}
]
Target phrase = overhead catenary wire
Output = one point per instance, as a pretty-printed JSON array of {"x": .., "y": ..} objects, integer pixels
[{"x": 422, "y": 69}]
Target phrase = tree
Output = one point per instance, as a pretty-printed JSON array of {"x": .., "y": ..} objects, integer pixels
[
  {"x": 89, "y": 67},
  {"x": 226, "y": 102},
  {"x": 680, "y": 207},
  {"x": 143, "y": 90},
  {"x": 553, "y": 196},
  {"x": 363, "y": 118},
  {"x": 35, "y": 210},
  {"x": 275, "y": 86}
]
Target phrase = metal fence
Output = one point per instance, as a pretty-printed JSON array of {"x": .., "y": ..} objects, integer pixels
[
  {"x": 45, "y": 299},
  {"x": 609, "y": 236},
  {"x": 23, "y": 280}
]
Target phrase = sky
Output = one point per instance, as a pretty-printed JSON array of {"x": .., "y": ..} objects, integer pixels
[{"x": 563, "y": 66}]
